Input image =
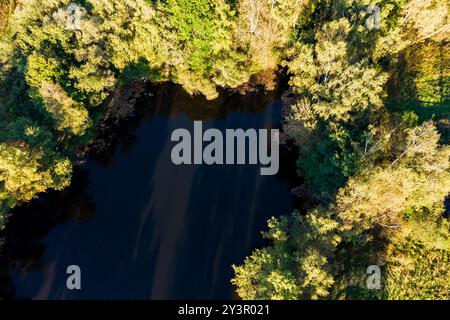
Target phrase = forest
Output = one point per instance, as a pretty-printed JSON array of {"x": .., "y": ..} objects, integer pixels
[{"x": 368, "y": 109}]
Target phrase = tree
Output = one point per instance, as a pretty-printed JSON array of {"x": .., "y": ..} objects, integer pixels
[
  {"x": 29, "y": 163},
  {"x": 67, "y": 113},
  {"x": 265, "y": 26},
  {"x": 198, "y": 37},
  {"x": 6, "y": 10},
  {"x": 390, "y": 214},
  {"x": 286, "y": 271},
  {"x": 336, "y": 99},
  {"x": 416, "y": 272}
]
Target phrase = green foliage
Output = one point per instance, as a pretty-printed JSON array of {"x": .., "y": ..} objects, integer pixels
[
  {"x": 265, "y": 27},
  {"x": 202, "y": 46},
  {"x": 327, "y": 250},
  {"x": 382, "y": 176},
  {"x": 67, "y": 113},
  {"x": 6, "y": 10},
  {"x": 197, "y": 24},
  {"x": 281, "y": 271},
  {"x": 328, "y": 164},
  {"x": 29, "y": 162},
  {"x": 416, "y": 272},
  {"x": 337, "y": 97}
]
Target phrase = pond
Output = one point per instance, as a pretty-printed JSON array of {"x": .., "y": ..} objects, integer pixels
[{"x": 140, "y": 227}]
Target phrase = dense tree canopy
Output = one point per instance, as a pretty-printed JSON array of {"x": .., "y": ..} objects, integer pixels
[{"x": 370, "y": 154}]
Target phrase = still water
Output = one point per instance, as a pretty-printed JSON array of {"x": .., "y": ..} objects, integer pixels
[{"x": 140, "y": 227}]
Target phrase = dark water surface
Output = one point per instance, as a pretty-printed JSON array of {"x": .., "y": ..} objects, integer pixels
[{"x": 141, "y": 227}]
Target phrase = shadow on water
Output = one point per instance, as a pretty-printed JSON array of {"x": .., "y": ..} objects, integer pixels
[
  {"x": 139, "y": 226},
  {"x": 171, "y": 100}
]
